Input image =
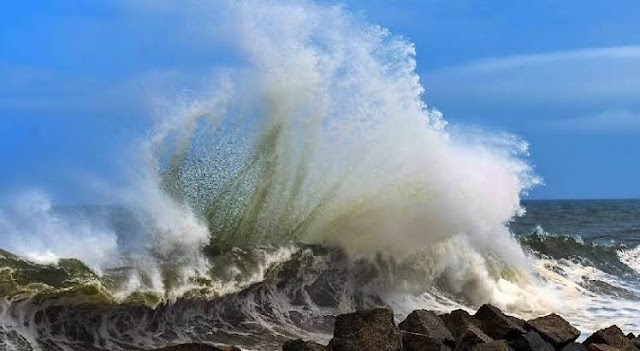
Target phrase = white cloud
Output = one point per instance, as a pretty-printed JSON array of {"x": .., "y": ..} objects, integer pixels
[
  {"x": 612, "y": 121},
  {"x": 599, "y": 77}
]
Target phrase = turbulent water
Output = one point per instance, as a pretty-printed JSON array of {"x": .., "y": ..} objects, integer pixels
[{"x": 309, "y": 179}]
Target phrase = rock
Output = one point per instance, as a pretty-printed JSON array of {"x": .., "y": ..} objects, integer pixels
[
  {"x": 472, "y": 337},
  {"x": 554, "y": 329},
  {"x": 427, "y": 323},
  {"x": 602, "y": 347},
  {"x": 630, "y": 336},
  {"x": 421, "y": 342},
  {"x": 496, "y": 345},
  {"x": 574, "y": 347},
  {"x": 198, "y": 347},
  {"x": 636, "y": 342},
  {"x": 531, "y": 341},
  {"x": 301, "y": 345},
  {"x": 498, "y": 325},
  {"x": 458, "y": 322},
  {"x": 517, "y": 321},
  {"x": 370, "y": 330},
  {"x": 611, "y": 336}
]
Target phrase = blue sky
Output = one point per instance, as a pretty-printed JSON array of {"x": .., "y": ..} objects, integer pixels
[{"x": 76, "y": 77}]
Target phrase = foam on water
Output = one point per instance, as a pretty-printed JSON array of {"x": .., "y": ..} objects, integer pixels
[
  {"x": 631, "y": 257},
  {"x": 583, "y": 304}
]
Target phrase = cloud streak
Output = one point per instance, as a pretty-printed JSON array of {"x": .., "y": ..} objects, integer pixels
[
  {"x": 605, "y": 122},
  {"x": 590, "y": 77},
  {"x": 601, "y": 85}
]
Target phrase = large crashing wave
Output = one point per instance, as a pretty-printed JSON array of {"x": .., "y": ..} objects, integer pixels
[
  {"x": 319, "y": 135},
  {"x": 323, "y": 136}
]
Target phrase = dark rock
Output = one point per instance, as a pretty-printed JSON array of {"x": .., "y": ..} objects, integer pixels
[
  {"x": 458, "y": 322},
  {"x": 370, "y": 330},
  {"x": 531, "y": 341},
  {"x": 602, "y": 347},
  {"x": 198, "y": 347},
  {"x": 554, "y": 329},
  {"x": 496, "y": 345},
  {"x": 420, "y": 342},
  {"x": 636, "y": 342},
  {"x": 611, "y": 336},
  {"x": 427, "y": 323},
  {"x": 517, "y": 321},
  {"x": 574, "y": 347},
  {"x": 301, "y": 345},
  {"x": 498, "y": 325},
  {"x": 472, "y": 337},
  {"x": 630, "y": 336}
]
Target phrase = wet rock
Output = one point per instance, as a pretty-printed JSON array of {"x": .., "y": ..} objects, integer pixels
[
  {"x": 498, "y": 325},
  {"x": 574, "y": 347},
  {"x": 198, "y": 347},
  {"x": 602, "y": 347},
  {"x": 630, "y": 336},
  {"x": 472, "y": 336},
  {"x": 429, "y": 324},
  {"x": 301, "y": 345},
  {"x": 531, "y": 341},
  {"x": 458, "y": 322},
  {"x": 496, "y": 345},
  {"x": 421, "y": 342},
  {"x": 611, "y": 336},
  {"x": 554, "y": 329},
  {"x": 517, "y": 321},
  {"x": 370, "y": 330}
]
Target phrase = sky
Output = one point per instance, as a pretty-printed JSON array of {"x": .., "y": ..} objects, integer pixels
[{"x": 76, "y": 77}]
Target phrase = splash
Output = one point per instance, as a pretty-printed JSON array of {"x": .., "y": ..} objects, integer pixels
[
  {"x": 322, "y": 136},
  {"x": 319, "y": 134},
  {"x": 32, "y": 228}
]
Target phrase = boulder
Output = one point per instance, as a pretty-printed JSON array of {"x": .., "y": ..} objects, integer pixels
[
  {"x": 574, "y": 347},
  {"x": 429, "y": 324},
  {"x": 496, "y": 345},
  {"x": 531, "y": 341},
  {"x": 498, "y": 325},
  {"x": 630, "y": 336},
  {"x": 301, "y": 345},
  {"x": 421, "y": 342},
  {"x": 198, "y": 347},
  {"x": 636, "y": 342},
  {"x": 554, "y": 329},
  {"x": 370, "y": 330},
  {"x": 602, "y": 347},
  {"x": 458, "y": 322},
  {"x": 611, "y": 336},
  {"x": 472, "y": 337}
]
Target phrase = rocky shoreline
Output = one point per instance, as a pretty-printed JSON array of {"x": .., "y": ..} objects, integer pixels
[{"x": 489, "y": 329}]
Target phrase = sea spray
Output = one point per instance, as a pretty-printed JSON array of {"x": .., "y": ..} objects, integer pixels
[
  {"x": 323, "y": 136},
  {"x": 319, "y": 135}
]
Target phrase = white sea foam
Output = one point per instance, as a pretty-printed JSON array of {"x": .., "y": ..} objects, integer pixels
[{"x": 631, "y": 257}]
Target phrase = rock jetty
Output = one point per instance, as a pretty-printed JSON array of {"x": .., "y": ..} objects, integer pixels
[{"x": 489, "y": 329}]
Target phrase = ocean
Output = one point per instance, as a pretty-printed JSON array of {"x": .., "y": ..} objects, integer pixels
[
  {"x": 310, "y": 179},
  {"x": 584, "y": 255}
]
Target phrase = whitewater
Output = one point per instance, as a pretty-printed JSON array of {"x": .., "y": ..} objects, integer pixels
[{"x": 309, "y": 179}]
